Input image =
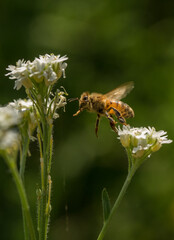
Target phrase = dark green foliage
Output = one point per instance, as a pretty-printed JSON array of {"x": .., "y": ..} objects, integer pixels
[{"x": 108, "y": 43}]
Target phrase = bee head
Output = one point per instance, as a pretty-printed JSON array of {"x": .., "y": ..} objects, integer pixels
[{"x": 84, "y": 101}]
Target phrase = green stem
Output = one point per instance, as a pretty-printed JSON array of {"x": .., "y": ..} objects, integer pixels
[
  {"x": 23, "y": 156},
  {"x": 25, "y": 146},
  {"x": 117, "y": 202},
  {"x": 43, "y": 199},
  {"x": 129, "y": 158},
  {"x": 50, "y": 150},
  {"x": 48, "y": 207},
  {"x": 20, "y": 187},
  {"x": 44, "y": 215}
]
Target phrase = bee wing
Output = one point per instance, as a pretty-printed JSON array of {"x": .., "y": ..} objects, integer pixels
[{"x": 120, "y": 92}]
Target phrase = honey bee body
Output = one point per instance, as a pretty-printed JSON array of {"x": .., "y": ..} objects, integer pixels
[
  {"x": 124, "y": 109},
  {"x": 108, "y": 105}
]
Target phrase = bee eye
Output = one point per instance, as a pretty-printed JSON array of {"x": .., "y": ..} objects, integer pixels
[{"x": 85, "y": 98}]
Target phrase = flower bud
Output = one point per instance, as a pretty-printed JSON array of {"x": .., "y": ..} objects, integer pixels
[{"x": 125, "y": 140}]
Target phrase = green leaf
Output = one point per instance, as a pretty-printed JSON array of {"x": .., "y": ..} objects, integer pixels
[{"x": 106, "y": 205}]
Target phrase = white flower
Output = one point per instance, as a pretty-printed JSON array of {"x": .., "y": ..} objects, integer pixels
[
  {"x": 142, "y": 140},
  {"x": 9, "y": 117},
  {"x": 22, "y": 105},
  {"x": 25, "y": 108},
  {"x": 21, "y": 73},
  {"x": 9, "y": 139},
  {"x": 47, "y": 68},
  {"x": 59, "y": 101}
]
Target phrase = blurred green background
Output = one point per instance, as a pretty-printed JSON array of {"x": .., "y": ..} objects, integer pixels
[{"x": 108, "y": 43}]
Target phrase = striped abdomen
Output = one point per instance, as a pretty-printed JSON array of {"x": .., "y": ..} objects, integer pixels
[{"x": 124, "y": 109}]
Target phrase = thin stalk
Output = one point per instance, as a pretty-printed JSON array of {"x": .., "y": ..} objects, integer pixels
[
  {"x": 42, "y": 174},
  {"x": 51, "y": 153},
  {"x": 26, "y": 233},
  {"x": 41, "y": 160},
  {"x": 43, "y": 199},
  {"x": 129, "y": 158},
  {"x": 20, "y": 187},
  {"x": 46, "y": 152},
  {"x": 34, "y": 100},
  {"x": 48, "y": 207},
  {"x": 25, "y": 146},
  {"x": 23, "y": 156},
  {"x": 38, "y": 192},
  {"x": 117, "y": 202},
  {"x": 47, "y": 133},
  {"x": 46, "y": 156},
  {"x": 50, "y": 105}
]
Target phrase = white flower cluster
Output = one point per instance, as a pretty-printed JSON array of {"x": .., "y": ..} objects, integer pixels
[
  {"x": 142, "y": 140},
  {"x": 22, "y": 105},
  {"x": 46, "y": 68},
  {"x": 28, "y": 118},
  {"x": 9, "y": 117}
]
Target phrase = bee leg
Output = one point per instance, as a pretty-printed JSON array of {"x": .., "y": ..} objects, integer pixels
[
  {"x": 112, "y": 124},
  {"x": 118, "y": 115},
  {"x": 97, "y": 124},
  {"x": 111, "y": 121},
  {"x": 122, "y": 120},
  {"x": 77, "y": 113}
]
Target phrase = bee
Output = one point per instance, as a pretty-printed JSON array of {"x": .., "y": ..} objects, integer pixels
[{"x": 108, "y": 105}]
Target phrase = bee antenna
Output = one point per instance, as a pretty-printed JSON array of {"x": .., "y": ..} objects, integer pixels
[{"x": 72, "y": 99}]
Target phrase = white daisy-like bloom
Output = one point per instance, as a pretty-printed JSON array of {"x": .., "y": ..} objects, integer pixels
[
  {"x": 47, "y": 68},
  {"x": 142, "y": 140}
]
